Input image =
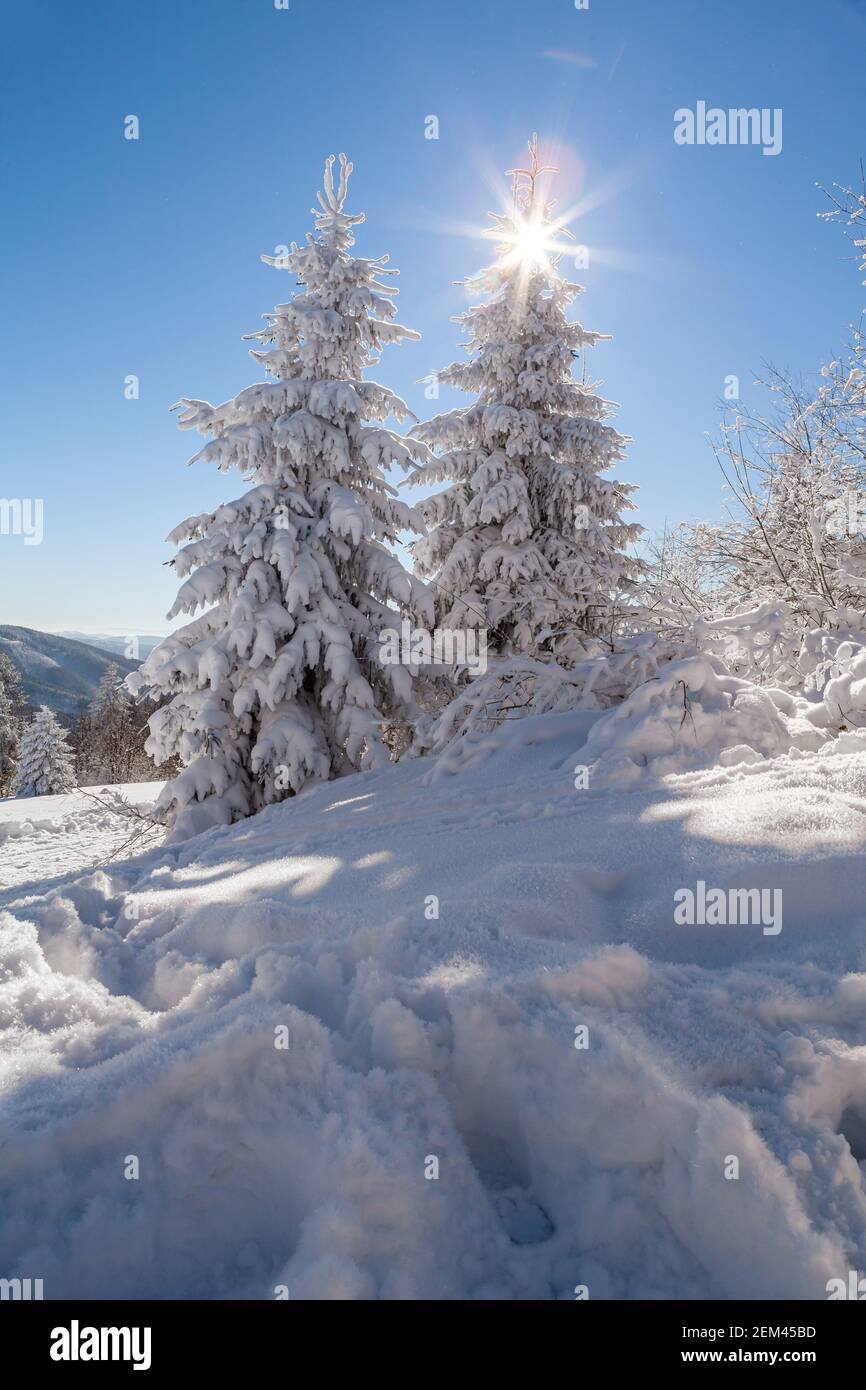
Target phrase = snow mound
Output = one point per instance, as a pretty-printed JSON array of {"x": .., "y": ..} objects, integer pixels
[{"x": 694, "y": 715}]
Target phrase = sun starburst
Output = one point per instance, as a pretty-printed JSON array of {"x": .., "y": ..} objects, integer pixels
[
  {"x": 531, "y": 242},
  {"x": 528, "y": 238}
]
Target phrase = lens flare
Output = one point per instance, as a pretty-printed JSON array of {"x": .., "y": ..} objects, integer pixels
[{"x": 531, "y": 242}]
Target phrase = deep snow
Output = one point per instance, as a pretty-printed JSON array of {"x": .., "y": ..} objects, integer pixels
[{"x": 139, "y": 1003}]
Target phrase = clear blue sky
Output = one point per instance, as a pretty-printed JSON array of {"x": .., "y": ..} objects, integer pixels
[{"x": 123, "y": 257}]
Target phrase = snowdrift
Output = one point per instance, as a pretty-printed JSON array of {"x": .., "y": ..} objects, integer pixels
[
  {"x": 656, "y": 708},
  {"x": 432, "y": 1130}
]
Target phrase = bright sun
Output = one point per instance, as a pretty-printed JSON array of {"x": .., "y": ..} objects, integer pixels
[{"x": 532, "y": 241}]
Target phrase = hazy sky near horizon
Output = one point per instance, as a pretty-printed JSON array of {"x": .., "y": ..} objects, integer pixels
[{"x": 141, "y": 257}]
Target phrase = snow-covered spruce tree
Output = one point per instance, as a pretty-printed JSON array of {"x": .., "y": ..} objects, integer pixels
[
  {"x": 528, "y": 540},
  {"x": 282, "y": 678},
  {"x": 8, "y": 743},
  {"x": 10, "y": 679},
  {"x": 107, "y": 736},
  {"x": 13, "y": 720},
  {"x": 45, "y": 766}
]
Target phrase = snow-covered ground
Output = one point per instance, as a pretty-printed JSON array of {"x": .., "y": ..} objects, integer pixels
[
  {"x": 41, "y": 837},
  {"x": 143, "y": 1003}
]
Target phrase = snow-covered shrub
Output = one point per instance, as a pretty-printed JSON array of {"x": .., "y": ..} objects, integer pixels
[
  {"x": 282, "y": 679},
  {"x": 665, "y": 708},
  {"x": 695, "y": 715},
  {"x": 762, "y": 644},
  {"x": 766, "y": 646},
  {"x": 797, "y": 480},
  {"x": 790, "y": 560},
  {"x": 521, "y": 686},
  {"x": 837, "y": 691}
]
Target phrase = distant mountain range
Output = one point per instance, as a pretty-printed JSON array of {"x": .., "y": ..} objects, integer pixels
[
  {"x": 58, "y": 671},
  {"x": 111, "y": 642}
]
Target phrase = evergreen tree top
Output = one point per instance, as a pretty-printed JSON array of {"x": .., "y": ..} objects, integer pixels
[{"x": 529, "y": 538}]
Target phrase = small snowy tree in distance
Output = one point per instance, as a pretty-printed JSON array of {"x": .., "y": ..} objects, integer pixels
[
  {"x": 528, "y": 540},
  {"x": 281, "y": 678},
  {"x": 45, "y": 767},
  {"x": 107, "y": 736}
]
